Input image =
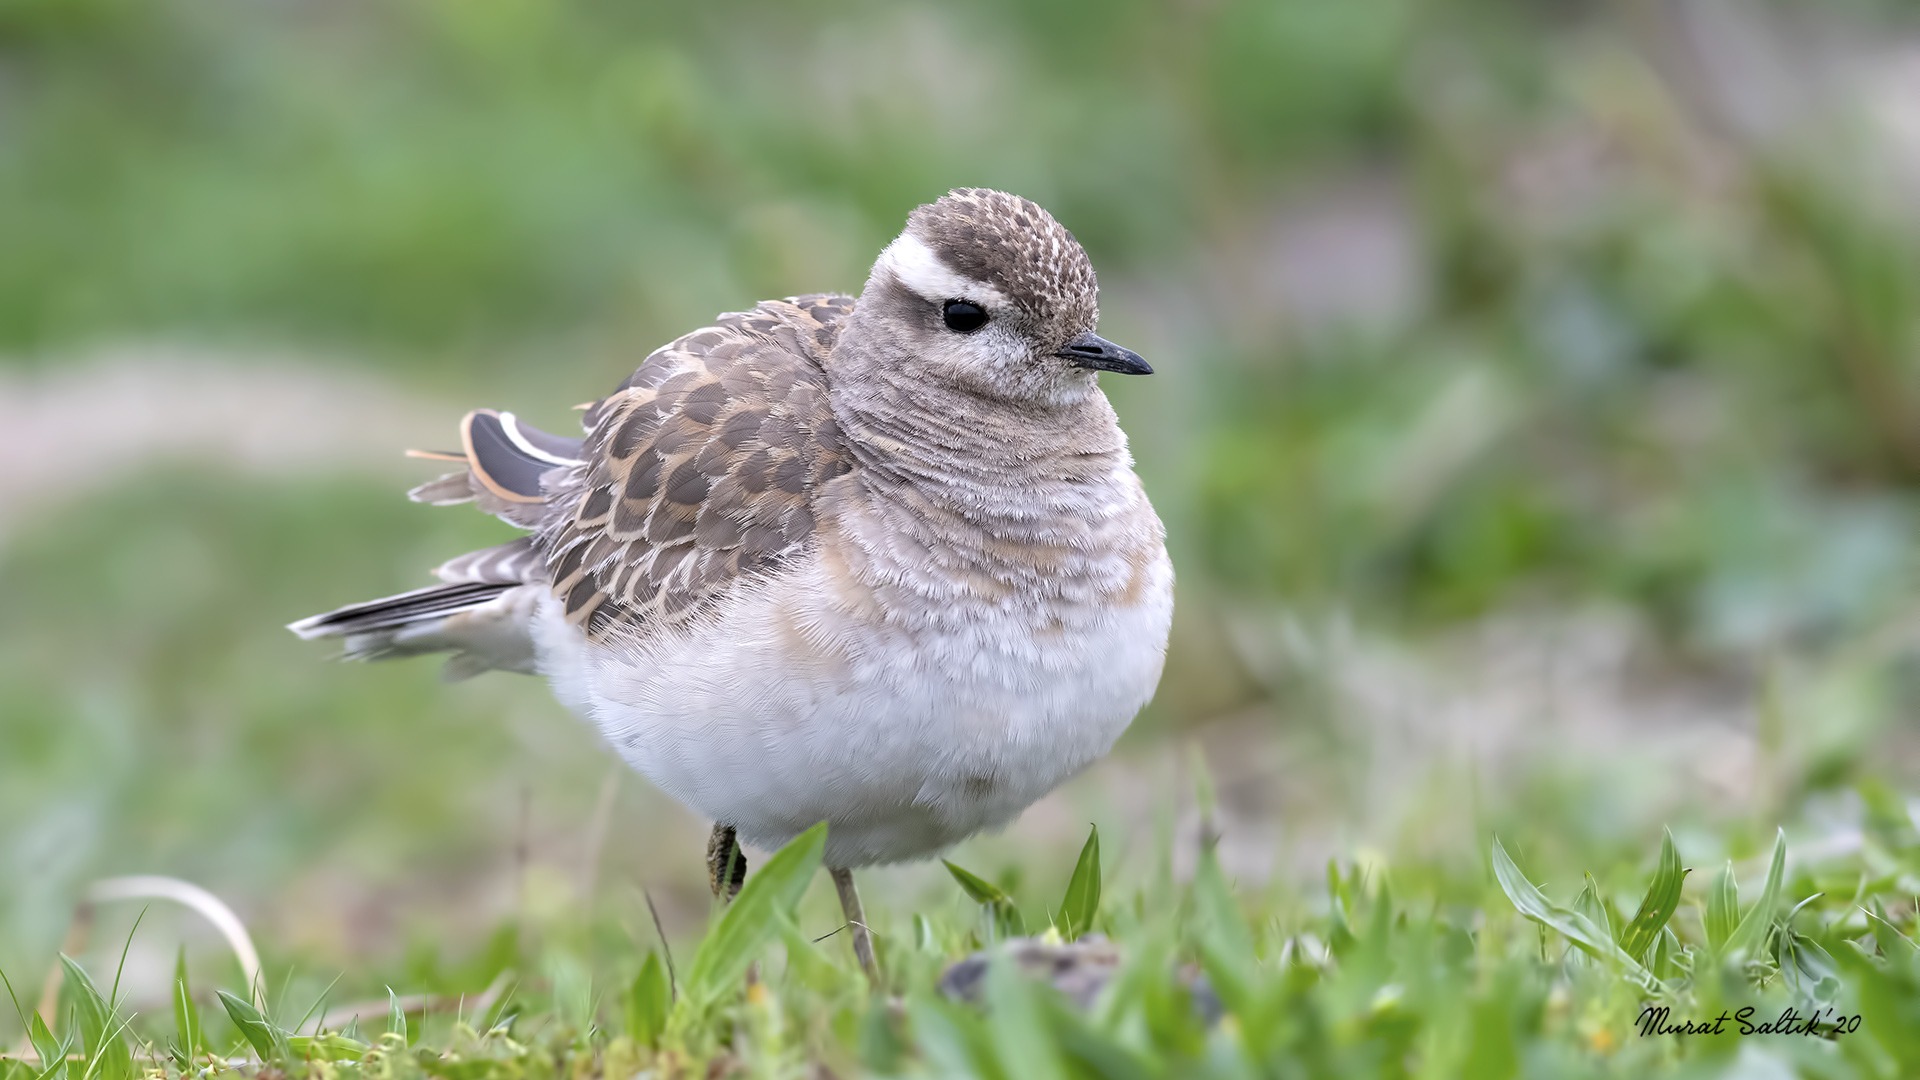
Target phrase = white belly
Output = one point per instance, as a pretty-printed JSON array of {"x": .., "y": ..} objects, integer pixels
[{"x": 784, "y": 710}]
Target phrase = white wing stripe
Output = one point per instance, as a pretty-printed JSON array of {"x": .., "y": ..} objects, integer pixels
[{"x": 511, "y": 425}]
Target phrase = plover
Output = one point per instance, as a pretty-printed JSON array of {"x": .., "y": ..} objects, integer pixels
[{"x": 881, "y": 562}]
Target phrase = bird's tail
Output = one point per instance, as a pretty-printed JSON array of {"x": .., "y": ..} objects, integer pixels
[{"x": 482, "y": 613}]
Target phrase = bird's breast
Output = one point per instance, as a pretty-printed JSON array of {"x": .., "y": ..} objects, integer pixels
[
  {"x": 1041, "y": 560},
  {"x": 911, "y": 678}
]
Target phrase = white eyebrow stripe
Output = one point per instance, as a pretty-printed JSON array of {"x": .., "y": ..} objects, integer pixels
[{"x": 915, "y": 265}]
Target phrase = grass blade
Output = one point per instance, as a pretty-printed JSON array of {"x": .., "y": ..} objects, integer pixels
[
  {"x": 953, "y": 1040},
  {"x": 82, "y": 1006},
  {"x": 1665, "y": 948},
  {"x": 45, "y": 1046},
  {"x": 753, "y": 919},
  {"x": 1588, "y": 904},
  {"x": 397, "y": 1018},
  {"x": 1723, "y": 909},
  {"x": 1577, "y": 928},
  {"x": 1017, "y": 1027},
  {"x": 52, "y": 1052},
  {"x": 571, "y": 986},
  {"x": 186, "y": 1018},
  {"x": 267, "y": 1040},
  {"x": 1658, "y": 905},
  {"x": 1007, "y": 919},
  {"x": 1892, "y": 941},
  {"x": 980, "y": 889},
  {"x": 1082, "y": 902},
  {"x": 113, "y": 996},
  {"x": 1339, "y": 905},
  {"x": 1753, "y": 928},
  {"x": 107, "y": 1055},
  {"x": 1808, "y": 968},
  {"x": 648, "y": 1002},
  {"x": 1791, "y": 915},
  {"x": 319, "y": 1006},
  {"x": 1226, "y": 942}
]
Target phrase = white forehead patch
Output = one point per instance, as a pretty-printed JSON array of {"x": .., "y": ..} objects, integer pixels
[{"x": 916, "y": 266}]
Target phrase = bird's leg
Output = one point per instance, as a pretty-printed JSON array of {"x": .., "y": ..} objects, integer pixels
[
  {"x": 726, "y": 863},
  {"x": 856, "y": 923}
]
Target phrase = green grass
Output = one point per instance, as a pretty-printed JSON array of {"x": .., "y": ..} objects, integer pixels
[{"x": 1384, "y": 974}]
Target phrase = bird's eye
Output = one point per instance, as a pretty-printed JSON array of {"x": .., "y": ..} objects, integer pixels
[{"x": 964, "y": 316}]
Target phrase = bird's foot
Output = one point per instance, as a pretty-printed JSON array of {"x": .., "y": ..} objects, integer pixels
[
  {"x": 856, "y": 924},
  {"x": 726, "y": 863}
]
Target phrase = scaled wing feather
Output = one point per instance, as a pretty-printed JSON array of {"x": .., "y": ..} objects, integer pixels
[{"x": 700, "y": 470}]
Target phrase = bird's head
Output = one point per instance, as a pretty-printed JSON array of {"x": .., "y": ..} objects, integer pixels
[{"x": 986, "y": 292}]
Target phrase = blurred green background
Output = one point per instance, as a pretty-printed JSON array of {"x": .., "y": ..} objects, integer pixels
[{"x": 1537, "y": 425}]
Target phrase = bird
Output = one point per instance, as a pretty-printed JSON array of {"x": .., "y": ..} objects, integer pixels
[{"x": 880, "y": 561}]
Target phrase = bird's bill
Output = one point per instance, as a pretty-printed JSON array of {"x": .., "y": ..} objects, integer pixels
[{"x": 1095, "y": 353}]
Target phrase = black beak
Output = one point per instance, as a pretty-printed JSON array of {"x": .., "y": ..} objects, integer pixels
[{"x": 1096, "y": 353}]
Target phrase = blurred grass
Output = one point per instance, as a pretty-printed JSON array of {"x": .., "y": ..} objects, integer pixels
[{"x": 1466, "y": 313}]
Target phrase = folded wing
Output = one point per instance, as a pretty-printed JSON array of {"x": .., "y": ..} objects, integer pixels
[{"x": 701, "y": 469}]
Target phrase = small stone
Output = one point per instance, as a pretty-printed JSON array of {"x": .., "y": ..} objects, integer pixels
[{"x": 1078, "y": 969}]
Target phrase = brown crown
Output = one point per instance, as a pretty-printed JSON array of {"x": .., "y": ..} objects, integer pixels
[{"x": 1015, "y": 246}]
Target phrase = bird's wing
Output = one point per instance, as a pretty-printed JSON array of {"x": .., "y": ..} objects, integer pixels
[{"x": 699, "y": 471}]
